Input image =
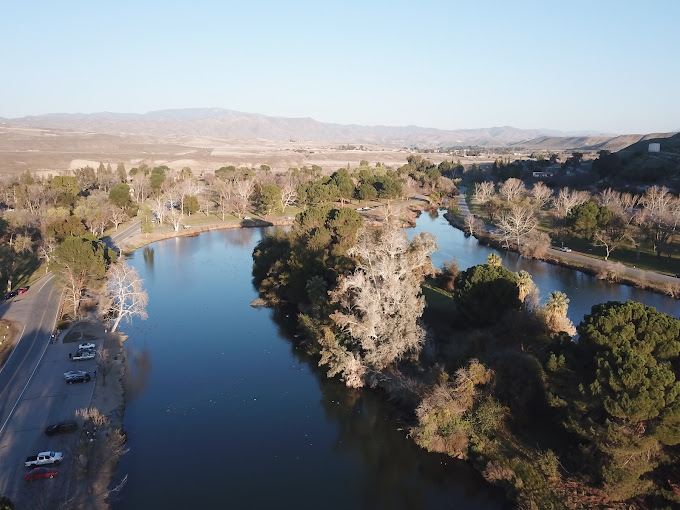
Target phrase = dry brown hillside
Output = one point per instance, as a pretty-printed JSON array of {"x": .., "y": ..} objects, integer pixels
[{"x": 58, "y": 151}]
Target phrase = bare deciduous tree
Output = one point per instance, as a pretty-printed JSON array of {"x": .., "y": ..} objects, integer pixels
[
  {"x": 541, "y": 194},
  {"x": 516, "y": 223},
  {"x": 661, "y": 215},
  {"x": 224, "y": 192},
  {"x": 243, "y": 189},
  {"x": 175, "y": 217},
  {"x": 288, "y": 187},
  {"x": 473, "y": 225},
  {"x": 104, "y": 363},
  {"x": 535, "y": 245},
  {"x": 141, "y": 186},
  {"x": 117, "y": 215},
  {"x": 484, "y": 191},
  {"x": 609, "y": 198},
  {"x": 512, "y": 190},
  {"x": 74, "y": 283},
  {"x": 127, "y": 297},
  {"x": 381, "y": 302},
  {"x": 45, "y": 250},
  {"x": 206, "y": 199},
  {"x": 613, "y": 235},
  {"x": 566, "y": 200}
]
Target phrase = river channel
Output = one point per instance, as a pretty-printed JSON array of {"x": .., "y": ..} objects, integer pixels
[{"x": 222, "y": 411}]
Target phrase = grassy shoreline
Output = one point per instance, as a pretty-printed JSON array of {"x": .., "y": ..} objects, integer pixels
[{"x": 652, "y": 281}]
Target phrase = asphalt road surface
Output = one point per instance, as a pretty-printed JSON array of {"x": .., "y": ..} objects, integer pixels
[{"x": 33, "y": 393}]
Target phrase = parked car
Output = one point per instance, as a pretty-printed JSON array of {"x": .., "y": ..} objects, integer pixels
[
  {"x": 23, "y": 289},
  {"x": 63, "y": 427},
  {"x": 74, "y": 376},
  {"x": 565, "y": 249},
  {"x": 88, "y": 345},
  {"x": 10, "y": 295},
  {"x": 82, "y": 354},
  {"x": 44, "y": 458},
  {"x": 41, "y": 472}
]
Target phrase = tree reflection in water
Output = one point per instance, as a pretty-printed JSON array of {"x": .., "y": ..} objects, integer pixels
[
  {"x": 396, "y": 473},
  {"x": 137, "y": 370}
]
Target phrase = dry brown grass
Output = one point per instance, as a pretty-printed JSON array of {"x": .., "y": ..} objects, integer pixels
[{"x": 9, "y": 335}]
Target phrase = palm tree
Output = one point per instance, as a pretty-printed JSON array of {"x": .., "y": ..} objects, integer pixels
[
  {"x": 493, "y": 259},
  {"x": 558, "y": 304},
  {"x": 525, "y": 283}
]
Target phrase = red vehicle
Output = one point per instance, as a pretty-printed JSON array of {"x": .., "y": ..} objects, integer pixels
[
  {"x": 22, "y": 290},
  {"x": 41, "y": 472}
]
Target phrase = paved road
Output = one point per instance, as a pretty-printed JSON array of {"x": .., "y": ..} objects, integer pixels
[
  {"x": 33, "y": 393},
  {"x": 580, "y": 259},
  {"x": 123, "y": 234}
]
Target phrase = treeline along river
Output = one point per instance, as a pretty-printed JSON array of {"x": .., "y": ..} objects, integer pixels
[{"x": 222, "y": 411}]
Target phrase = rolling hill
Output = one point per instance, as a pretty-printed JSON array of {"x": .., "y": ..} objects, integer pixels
[{"x": 229, "y": 124}]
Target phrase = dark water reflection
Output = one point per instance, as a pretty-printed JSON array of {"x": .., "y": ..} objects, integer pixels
[
  {"x": 583, "y": 290},
  {"x": 224, "y": 412}
]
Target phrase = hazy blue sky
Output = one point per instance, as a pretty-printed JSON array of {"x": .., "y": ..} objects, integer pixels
[{"x": 605, "y": 65}]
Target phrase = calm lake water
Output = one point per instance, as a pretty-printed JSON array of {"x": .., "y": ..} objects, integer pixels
[{"x": 224, "y": 412}]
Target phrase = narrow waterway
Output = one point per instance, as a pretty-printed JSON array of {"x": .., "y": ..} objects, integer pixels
[
  {"x": 223, "y": 412},
  {"x": 583, "y": 290}
]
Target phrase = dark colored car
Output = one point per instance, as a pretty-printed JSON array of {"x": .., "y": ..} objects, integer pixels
[
  {"x": 75, "y": 376},
  {"x": 63, "y": 427},
  {"x": 10, "y": 295},
  {"x": 41, "y": 472},
  {"x": 23, "y": 289}
]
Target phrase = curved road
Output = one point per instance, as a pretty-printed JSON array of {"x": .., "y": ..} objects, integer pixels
[{"x": 32, "y": 391}]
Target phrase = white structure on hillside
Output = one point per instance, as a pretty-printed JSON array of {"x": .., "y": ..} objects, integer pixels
[{"x": 654, "y": 147}]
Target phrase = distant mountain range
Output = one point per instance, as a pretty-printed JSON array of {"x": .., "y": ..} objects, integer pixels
[{"x": 228, "y": 124}]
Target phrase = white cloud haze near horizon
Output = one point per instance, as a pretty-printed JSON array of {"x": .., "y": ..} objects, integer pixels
[{"x": 605, "y": 66}]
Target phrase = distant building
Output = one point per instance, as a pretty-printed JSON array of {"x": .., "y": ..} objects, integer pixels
[{"x": 654, "y": 147}]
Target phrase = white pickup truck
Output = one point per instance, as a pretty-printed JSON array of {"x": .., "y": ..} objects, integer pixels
[{"x": 44, "y": 458}]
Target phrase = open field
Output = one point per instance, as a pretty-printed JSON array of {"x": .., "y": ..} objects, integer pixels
[{"x": 59, "y": 151}]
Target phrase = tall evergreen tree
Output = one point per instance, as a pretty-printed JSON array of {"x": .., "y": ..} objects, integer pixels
[{"x": 620, "y": 389}]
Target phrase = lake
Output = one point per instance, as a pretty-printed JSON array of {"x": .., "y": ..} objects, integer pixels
[{"x": 223, "y": 411}]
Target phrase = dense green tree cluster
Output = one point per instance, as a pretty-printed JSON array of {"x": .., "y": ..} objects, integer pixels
[
  {"x": 431, "y": 177},
  {"x": 484, "y": 293},
  {"x": 584, "y": 219},
  {"x": 619, "y": 388},
  {"x": 157, "y": 178},
  {"x": 285, "y": 262},
  {"x": 41, "y": 213},
  {"x": 268, "y": 199}
]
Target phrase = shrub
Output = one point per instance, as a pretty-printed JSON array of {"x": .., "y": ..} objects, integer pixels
[
  {"x": 494, "y": 471},
  {"x": 63, "y": 324},
  {"x": 548, "y": 462},
  {"x": 489, "y": 416}
]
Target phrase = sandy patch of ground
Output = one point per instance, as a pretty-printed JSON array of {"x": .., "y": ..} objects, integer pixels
[{"x": 81, "y": 163}]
